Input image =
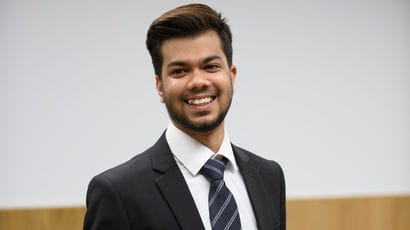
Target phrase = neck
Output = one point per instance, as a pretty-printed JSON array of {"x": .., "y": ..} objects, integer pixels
[{"x": 211, "y": 139}]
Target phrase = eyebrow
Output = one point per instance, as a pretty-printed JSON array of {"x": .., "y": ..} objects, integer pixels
[
  {"x": 211, "y": 58},
  {"x": 182, "y": 63}
]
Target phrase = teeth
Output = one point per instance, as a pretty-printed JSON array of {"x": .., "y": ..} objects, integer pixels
[{"x": 204, "y": 100}]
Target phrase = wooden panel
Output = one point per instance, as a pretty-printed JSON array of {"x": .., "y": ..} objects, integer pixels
[
  {"x": 371, "y": 213},
  {"x": 42, "y": 219},
  {"x": 361, "y": 213}
]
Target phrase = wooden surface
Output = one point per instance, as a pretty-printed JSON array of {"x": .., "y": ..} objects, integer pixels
[
  {"x": 360, "y": 213},
  {"x": 42, "y": 219},
  {"x": 371, "y": 213}
]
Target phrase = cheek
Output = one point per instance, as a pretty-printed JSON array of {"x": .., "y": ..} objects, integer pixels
[
  {"x": 173, "y": 88},
  {"x": 225, "y": 84}
]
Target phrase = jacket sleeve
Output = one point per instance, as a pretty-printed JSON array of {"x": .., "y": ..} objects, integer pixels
[
  {"x": 283, "y": 201},
  {"x": 105, "y": 209}
]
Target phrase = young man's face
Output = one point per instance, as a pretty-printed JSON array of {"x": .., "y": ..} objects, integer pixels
[{"x": 197, "y": 83}]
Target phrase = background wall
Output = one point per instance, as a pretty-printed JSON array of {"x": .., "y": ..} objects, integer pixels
[{"x": 323, "y": 88}]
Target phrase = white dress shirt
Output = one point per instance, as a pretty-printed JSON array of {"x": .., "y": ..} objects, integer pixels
[{"x": 190, "y": 156}]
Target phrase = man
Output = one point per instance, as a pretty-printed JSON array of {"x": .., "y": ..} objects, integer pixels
[{"x": 193, "y": 177}]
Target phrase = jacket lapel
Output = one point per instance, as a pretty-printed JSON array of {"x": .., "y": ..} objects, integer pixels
[
  {"x": 256, "y": 192},
  {"x": 173, "y": 187}
]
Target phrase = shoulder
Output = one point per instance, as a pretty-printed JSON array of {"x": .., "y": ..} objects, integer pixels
[
  {"x": 130, "y": 181},
  {"x": 263, "y": 165},
  {"x": 122, "y": 194},
  {"x": 141, "y": 166},
  {"x": 118, "y": 180},
  {"x": 137, "y": 165}
]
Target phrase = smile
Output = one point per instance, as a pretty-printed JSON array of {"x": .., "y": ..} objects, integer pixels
[{"x": 200, "y": 101}]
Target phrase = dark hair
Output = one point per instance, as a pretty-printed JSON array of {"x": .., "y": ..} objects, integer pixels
[{"x": 185, "y": 21}]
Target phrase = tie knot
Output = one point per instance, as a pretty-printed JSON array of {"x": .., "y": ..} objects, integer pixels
[{"x": 214, "y": 169}]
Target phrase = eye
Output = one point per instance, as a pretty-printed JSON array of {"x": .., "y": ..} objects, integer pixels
[
  {"x": 212, "y": 68},
  {"x": 178, "y": 72}
]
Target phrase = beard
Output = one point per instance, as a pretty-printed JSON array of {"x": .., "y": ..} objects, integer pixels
[{"x": 200, "y": 126}]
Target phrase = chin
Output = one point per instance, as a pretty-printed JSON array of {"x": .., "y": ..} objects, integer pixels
[{"x": 203, "y": 126}]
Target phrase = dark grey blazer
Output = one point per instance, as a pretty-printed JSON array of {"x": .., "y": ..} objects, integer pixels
[{"x": 149, "y": 192}]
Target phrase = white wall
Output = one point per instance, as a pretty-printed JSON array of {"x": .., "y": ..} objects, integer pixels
[{"x": 323, "y": 88}]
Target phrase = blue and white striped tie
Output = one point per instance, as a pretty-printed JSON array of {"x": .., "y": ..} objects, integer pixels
[{"x": 223, "y": 210}]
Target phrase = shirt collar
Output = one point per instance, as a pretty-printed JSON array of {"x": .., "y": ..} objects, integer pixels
[{"x": 193, "y": 154}]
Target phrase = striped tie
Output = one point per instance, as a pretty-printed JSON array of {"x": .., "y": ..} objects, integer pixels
[{"x": 223, "y": 210}]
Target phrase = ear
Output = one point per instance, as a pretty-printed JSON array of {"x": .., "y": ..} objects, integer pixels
[
  {"x": 233, "y": 72},
  {"x": 159, "y": 86}
]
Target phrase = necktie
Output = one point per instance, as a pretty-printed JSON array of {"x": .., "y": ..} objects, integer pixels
[{"x": 223, "y": 210}]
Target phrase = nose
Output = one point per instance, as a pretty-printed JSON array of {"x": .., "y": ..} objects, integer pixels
[{"x": 198, "y": 81}]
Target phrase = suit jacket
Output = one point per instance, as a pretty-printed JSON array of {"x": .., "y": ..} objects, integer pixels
[{"x": 150, "y": 192}]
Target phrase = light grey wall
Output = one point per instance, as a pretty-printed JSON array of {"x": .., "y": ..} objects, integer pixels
[{"x": 323, "y": 88}]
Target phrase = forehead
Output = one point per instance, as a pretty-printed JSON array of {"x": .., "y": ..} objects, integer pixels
[{"x": 192, "y": 49}]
